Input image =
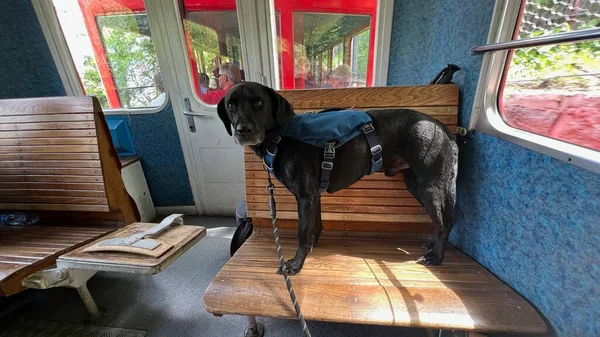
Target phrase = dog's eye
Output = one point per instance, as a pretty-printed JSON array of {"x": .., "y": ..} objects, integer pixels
[
  {"x": 258, "y": 104},
  {"x": 230, "y": 106}
]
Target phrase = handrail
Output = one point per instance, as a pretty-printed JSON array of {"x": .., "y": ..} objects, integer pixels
[{"x": 577, "y": 36}]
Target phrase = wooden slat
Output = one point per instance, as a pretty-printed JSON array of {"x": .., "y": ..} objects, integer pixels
[
  {"x": 380, "y": 176},
  {"x": 361, "y": 184},
  {"x": 349, "y": 217},
  {"x": 421, "y": 96},
  {"x": 370, "y": 281},
  {"x": 47, "y": 118},
  {"x": 50, "y": 163},
  {"x": 50, "y": 148},
  {"x": 418, "y": 231},
  {"x": 342, "y": 208},
  {"x": 47, "y": 134},
  {"x": 47, "y": 126},
  {"x": 49, "y": 141},
  {"x": 45, "y": 106},
  {"x": 48, "y": 156},
  {"x": 55, "y": 207},
  {"x": 53, "y": 200},
  {"x": 45, "y": 185},
  {"x": 52, "y": 192},
  {"x": 51, "y": 171},
  {"x": 46, "y": 178},
  {"x": 42, "y": 245},
  {"x": 332, "y": 200},
  {"x": 445, "y": 114},
  {"x": 400, "y": 193}
]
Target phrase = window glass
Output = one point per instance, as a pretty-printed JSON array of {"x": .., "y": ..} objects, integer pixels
[
  {"x": 324, "y": 44},
  {"x": 554, "y": 90},
  {"x": 214, "y": 47},
  {"x": 113, "y": 51}
]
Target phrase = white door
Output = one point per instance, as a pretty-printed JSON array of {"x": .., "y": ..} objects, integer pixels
[
  {"x": 193, "y": 40},
  {"x": 289, "y": 44}
]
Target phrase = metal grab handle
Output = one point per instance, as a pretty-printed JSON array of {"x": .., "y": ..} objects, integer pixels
[
  {"x": 191, "y": 113},
  {"x": 577, "y": 36}
]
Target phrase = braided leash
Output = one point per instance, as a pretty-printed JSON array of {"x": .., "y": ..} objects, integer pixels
[{"x": 286, "y": 276}]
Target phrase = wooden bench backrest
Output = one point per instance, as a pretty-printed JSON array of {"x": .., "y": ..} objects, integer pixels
[
  {"x": 376, "y": 202},
  {"x": 56, "y": 156}
]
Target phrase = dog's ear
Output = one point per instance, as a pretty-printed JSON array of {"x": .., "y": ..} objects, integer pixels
[
  {"x": 282, "y": 109},
  {"x": 223, "y": 115}
]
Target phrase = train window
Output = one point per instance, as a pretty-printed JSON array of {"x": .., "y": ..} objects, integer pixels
[
  {"x": 546, "y": 97},
  {"x": 113, "y": 51},
  {"x": 332, "y": 43},
  {"x": 214, "y": 47},
  {"x": 554, "y": 90}
]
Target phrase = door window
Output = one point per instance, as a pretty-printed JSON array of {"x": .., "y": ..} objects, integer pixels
[{"x": 214, "y": 47}]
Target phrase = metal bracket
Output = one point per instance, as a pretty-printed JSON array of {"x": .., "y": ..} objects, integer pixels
[{"x": 69, "y": 278}]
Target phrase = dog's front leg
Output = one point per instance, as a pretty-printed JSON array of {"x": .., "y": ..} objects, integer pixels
[{"x": 307, "y": 208}]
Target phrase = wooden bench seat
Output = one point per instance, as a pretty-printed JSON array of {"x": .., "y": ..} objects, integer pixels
[
  {"x": 56, "y": 160},
  {"x": 364, "y": 269},
  {"x": 370, "y": 281},
  {"x": 24, "y": 250}
]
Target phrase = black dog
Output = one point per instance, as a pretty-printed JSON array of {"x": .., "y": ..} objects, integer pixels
[{"x": 414, "y": 143}]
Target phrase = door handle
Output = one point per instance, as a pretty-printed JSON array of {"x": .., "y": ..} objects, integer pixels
[
  {"x": 187, "y": 111},
  {"x": 191, "y": 113}
]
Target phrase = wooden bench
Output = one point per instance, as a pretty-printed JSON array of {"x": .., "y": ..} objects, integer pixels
[
  {"x": 364, "y": 269},
  {"x": 58, "y": 161}
]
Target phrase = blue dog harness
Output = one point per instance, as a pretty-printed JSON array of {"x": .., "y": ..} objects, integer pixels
[{"x": 328, "y": 130}]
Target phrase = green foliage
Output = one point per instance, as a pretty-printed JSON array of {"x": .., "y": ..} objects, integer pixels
[
  {"x": 363, "y": 53},
  {"x": 131, "y": 56},
  {"x": 92, "y": 81},
  {"x": 546, "y": 64}
]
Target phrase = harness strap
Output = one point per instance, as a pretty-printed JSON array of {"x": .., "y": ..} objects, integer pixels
[
  {"x": 269, "y": 158},
  {"x": 376, "y": 151},
  {"x": 327, "y": 165}
]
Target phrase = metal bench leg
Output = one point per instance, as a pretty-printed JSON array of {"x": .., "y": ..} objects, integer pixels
[
  {"x": 86, "y": 297},
  {"x": 254, "y": 329}
]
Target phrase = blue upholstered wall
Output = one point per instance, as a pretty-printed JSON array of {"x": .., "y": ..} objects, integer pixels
[
  {"x": 532, "y": 220},
  {"x": 27, "y": 70},
  {"x": 26, "y": 65},
  {"x": 157, "y": 143}
]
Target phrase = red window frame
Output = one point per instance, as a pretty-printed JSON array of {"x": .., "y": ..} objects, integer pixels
[{"x": 91, "y": 9}]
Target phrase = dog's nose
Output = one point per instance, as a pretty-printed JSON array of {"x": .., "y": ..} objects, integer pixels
[{"x": 244, "y": 130}]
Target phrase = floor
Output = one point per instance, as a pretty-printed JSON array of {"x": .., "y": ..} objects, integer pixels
[{"x": 170, "y": 303}]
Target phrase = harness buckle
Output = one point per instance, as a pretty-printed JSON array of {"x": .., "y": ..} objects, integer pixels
[
  {"x": 327, "y": 165},
  {"x": 368, "y": 128},
  {"x": 329, "y": 152},
  {"x": 277, "y": 139},
  {"x": 375, "y": 150}
]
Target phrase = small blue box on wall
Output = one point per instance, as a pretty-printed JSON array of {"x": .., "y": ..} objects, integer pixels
[{"x": 121, "y": 135}]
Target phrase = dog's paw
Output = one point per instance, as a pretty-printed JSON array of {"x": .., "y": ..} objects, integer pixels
[
  {"x": 430, "y": 259},
  {"x": 292, "y": 267},
  {"x": 428, "y": 245}
]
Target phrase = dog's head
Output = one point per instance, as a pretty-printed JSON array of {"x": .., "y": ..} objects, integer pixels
[{"x": 252, "y": 109}]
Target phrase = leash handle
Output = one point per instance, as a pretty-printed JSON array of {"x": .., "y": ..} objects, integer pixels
[{"x": 286, "y": 276}]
